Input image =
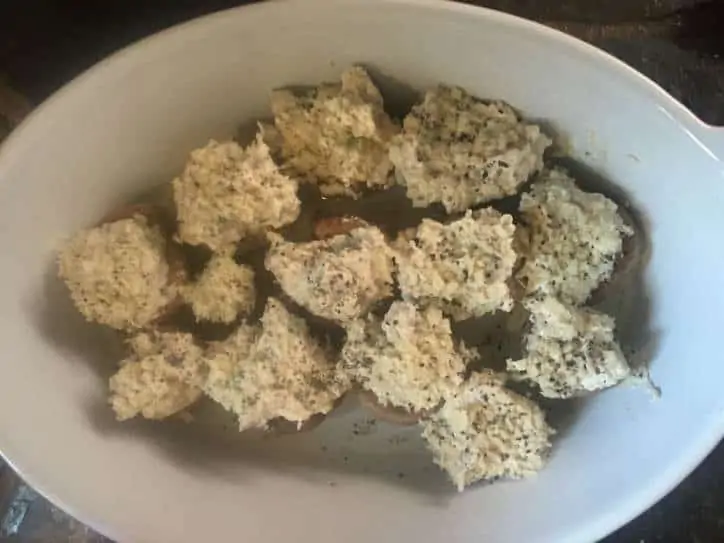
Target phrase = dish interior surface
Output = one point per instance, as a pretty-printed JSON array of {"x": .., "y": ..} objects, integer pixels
[{"x": 129, "y": 124}]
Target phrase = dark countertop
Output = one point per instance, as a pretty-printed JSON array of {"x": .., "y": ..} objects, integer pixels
[{"x": 44, "y": 43}]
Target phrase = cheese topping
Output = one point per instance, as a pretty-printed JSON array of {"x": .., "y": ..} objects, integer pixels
[
  {"x": 459, "y": 150},
  {"x": 161, "y": 377},
  {"x": 227, "y": 193},
  {"x": 569, "y": 350},
  {"x": 463, "y": 266},
  {"x": 487, "y": 432},
  {"x": 408, "y": 359},
  {"x": 224, "y": 290},
  {"x": 337, "y": 135},
  {"x": 277, "y": 370},
  {"x": 117, "y": 273},
  {"x": 339, "y": 278},
  {"x": 454, "y": 151},
  {"x": 574, "y": 238}
]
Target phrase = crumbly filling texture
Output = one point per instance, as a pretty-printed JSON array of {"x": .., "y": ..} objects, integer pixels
[
  {"x": 223, "y": 291},
  {"x": 575, "y": 238},
  {"x": 461, "y": 151},
  {"x": 117, "y": 273},
  {"x": 227, "y": 193},
  {"x": 487, "y": 432},
  {"x": 161, "y": 376},
  {"x": 463, "y": 266},
  {"x": 337, "y": 135},
  {"x": 408, "y": 359},
  {"x": 570, "y": 350},
  {"x": 394, "y": 303},
  {"x": 274, "y": 370},
  {"x": 339, "y": 278}
]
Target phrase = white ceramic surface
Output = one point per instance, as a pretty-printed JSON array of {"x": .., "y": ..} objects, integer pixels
[{"x": 130, "y": 121}]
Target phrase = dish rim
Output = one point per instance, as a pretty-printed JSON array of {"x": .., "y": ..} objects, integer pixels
[{"x": 707, "y": 137}]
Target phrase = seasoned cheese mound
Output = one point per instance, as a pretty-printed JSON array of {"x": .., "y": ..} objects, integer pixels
[
  {"x": 337, "y": 135},
  {"x": 408, "y": 359},
  {"x": 227, "y": 192},
  {"x": 569, "y": 350},
  {"x": 117, "y": 273},
  {"x": 487, "y": 432},
  {"x": 459, "y": 150},
  {"x": 162, "y": 376},
  {"x": 338, "y": 278},
  {"x": 463, "y": 266},
  {"x": 575, "y": 238},
  {"x": 277, "y": 370},
  {"x": 224, "y": 290}
]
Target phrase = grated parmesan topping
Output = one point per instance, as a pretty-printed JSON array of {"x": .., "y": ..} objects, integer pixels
[
  {"x": 224, "y": 290},
  {"x": 453, "y": 149},
  {"x": 276, "y": 370},
  {"x": 486, "y": 432},
  {"x": 575, "y": 238},
  {"x": 117, "y": 273},
  {"x": 161, "y": 377},
  {"x": 569, "y": 350},
  {"x": 227, "y": 192},
  {"x": 338, "y": 278},
  {"x": 462, "y": 266},
  {"x": 408, "y": 359},
  {"x": 337, "y": 135},
  {"x": 461, "y": 151}
]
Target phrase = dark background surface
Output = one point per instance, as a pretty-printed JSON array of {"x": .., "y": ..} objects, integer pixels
[{"x": 678, "y": 43}]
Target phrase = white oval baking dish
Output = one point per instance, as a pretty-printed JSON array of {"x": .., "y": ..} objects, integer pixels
[{"x": 130, "y": 122}]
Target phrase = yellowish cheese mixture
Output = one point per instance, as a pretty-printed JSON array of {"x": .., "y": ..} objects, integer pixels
[
  {"x": 339, "y": 278},
  {"x": 351, "y": 305},
  {"x": 162, "y": 376},
  {"x": 224, "y": 290},
  {"x": 337, "y": 135},
  {"x": 485, "y": 431},
  {"x": 275, "y": 370},
  {"x": 460, "y": 151},
  {"x": 227, "y": 192},
  {"x": 117, "y": 273},
  {"x": 575, "y": 238},
  {"x": 464, "y": 266},
  {"x": 408, "y": 359}
]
